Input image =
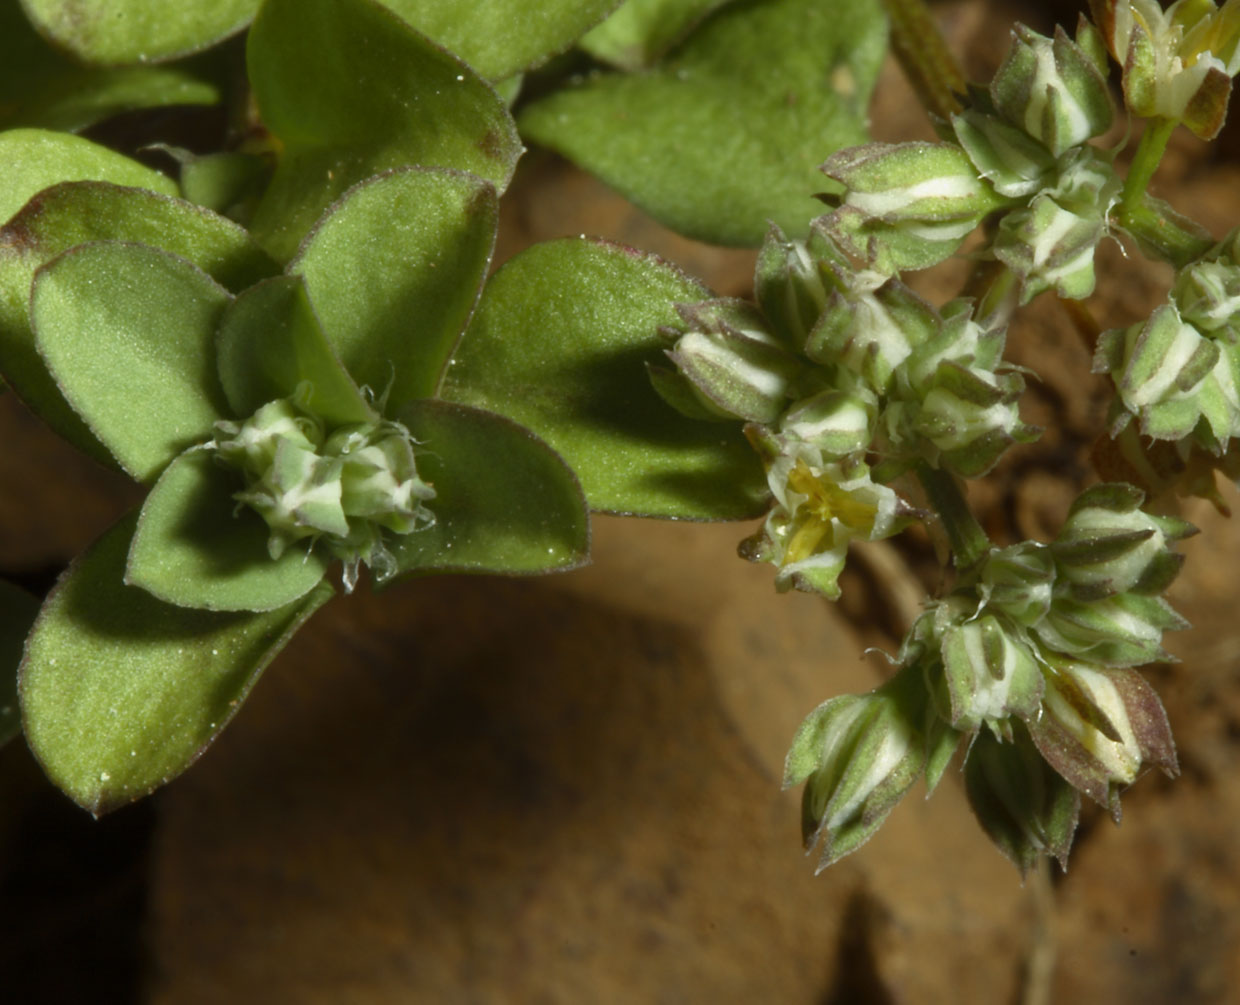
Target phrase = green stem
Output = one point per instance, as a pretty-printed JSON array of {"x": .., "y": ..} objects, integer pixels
[
  {"x": 968, "y": 541},
  {"x": 924, "y": 56},
  {"x": 1144, "y": 163}
]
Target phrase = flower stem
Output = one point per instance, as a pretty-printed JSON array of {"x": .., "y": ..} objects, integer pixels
[
  {"x": 924, "y": 56},
  {"x": 968, "y": 541},
  {"x": 1144, "y": 163}
]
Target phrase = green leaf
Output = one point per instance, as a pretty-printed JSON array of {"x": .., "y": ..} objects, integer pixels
[
  {"x": 195, "y": 547},
  {"x": 727, "y": 134},
  {"x": 270, "y": 343},
  {"x": 640, "y": 31},
  {"x": 394, "y": 271},
  {"x": 351, "y": 90},
  {"x": 560, "y": 344},
  {"x": 501, "y": 37},
  {"x": 128, "y": 332},
  {"x": 33, "y": 159},
  {"x": 122, "y": 692},
  {"x": 17, "y": 612},
  {"x": 111, "y": 32},
  {"x": 504, "y": 500},
  {"x": 41, "y": 87},
  {"x": 76, "y": 213}
]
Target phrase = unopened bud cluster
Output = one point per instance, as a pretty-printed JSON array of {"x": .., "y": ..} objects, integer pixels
[
  {"x": 1033, "y": 658},
  {"x": 1020, "y": 150},
  {"x": 344, "y": 489},
  {"x": 1177, "y": 374}
]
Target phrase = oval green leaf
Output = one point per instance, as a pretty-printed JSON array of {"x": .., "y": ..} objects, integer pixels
[
  {"x": 270, "y": 345},
  {"x": 504, "y": 500},
  {"x": 560, "y": 344},
  {"x": 194, "y": 547},
  {"x": 351, "y": 90},
  {"x": 128, "y": 333},
  {"x": 728, "y": 133},
  {"x": 75, "y": 213},
  {"x": 394, "y": 272},
  {"x": 121, "y": 692},
  {"x": 113, "y": 32},
  {"x": 17, "y": 613},
  {"x": 502, "y": 37},
  {"x": 41, "y": 87},
  {"x": 34, "y": 159}
]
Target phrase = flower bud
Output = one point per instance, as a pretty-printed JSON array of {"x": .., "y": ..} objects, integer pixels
[
  {"x": 792, "y": 280},
  {"x": 872, "y": 332},
  {"x": 1023, "y": 806},
  {"x": 1052, "y": 89},
  {"x": 1018, "y": 581},
  {"x": 1050, "y": 243},
  {"x": 836, "y": 422},
  {"x": 1099, "y": 727},
  {"x": 858, "y": 755},
  {"x": 1171, "y": 377},
  {"x": 1123, "y": 630},
  {"x": 906, "y": 206},
  {"x": 972, "y": 417},
  {"x": 991, "y": 674},
  {"x": 1109, "y": 545},
  {"x": 733, "y": 362}
]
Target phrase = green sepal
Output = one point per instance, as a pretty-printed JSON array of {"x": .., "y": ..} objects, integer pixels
[
  {"x": 115, "y": 32},
  {"x": 789, "y": 282},
  {"x": 358, "y": 93},
  {"x": 1024, "y": 807},
  {"x": 741, "y": 376},
  {"x": 270, "y": 345},
  {"x": 395, "y": 269},
  {"x": 1018, "y": 581},
  {"x": 991, "y": 674},
  {"x": 17, "y": 613},
  {"x": 560, "y": 344},
  {"x": 1108, "y": 544},
  {"x": 128, "y": 332},
  {"x": 674, "y": 388},
  {"x": 1098, "y": 727},
  {"x": 838, "y": 422},
  {"x": 121, "y": 692},
  {"x": 195, "y": 546},
  {"x": 504, "y": 501},
  {"x": 1014, "y": 163},
  {"x": 80, "y": 212},
  {"x": 870, "y": 752},
  {"x": 942, "y": 742},
  {"x": 872, "y": 333},
  {"x": 1123, "y": 630}
]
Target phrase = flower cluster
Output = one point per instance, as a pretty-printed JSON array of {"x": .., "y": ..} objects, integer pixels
[
  {"x": 1020, "y": 148},
  {"x": 1033, "y": 658},
  {"x": 846, "y": 380},
  {"x": 345, "y": 487}
]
